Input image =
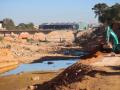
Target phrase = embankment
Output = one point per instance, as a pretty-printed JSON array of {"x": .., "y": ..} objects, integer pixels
[
  {"x": 86, "y": 75},
  {"x": 7, "y": 60},
  {"x": 6, "y": 66}
]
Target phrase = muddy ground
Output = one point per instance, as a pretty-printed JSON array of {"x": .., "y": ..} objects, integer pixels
[
  {"x": 17, "y": 51},
  {"x": 23, "y": 80},
  {"x": 100, "y": 71},
  {"x": 97, "y": 71}
]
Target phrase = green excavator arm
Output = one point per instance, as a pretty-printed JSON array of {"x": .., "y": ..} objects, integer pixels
[{"x": 111, "y": 34}]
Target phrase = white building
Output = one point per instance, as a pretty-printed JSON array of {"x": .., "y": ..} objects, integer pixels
[
  {"x": 36, "y": 26},
  {"x": 1, "y": 27}
]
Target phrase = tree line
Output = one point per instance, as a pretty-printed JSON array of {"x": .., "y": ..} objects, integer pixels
[
  {"x": 106, "y": 15},
  {"x": 10, "y": 25}
]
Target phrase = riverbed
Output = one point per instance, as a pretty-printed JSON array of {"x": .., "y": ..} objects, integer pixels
[{"x": 52, "y": 65}]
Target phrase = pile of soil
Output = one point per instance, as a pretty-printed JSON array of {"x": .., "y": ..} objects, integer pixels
[
  {"x": 6, "y": 55},
  {"x": 83, "y": 76},
  {"x": 39, "y": 36},
  {"x": 7, "y": 60},
  {"x": 60, "y": 36},
  {"x": 23, "y": 80},
  {"x": 91, "y": 40}
]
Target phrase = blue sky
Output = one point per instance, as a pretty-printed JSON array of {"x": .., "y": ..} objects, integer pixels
[{"x": 42, "y": 11}]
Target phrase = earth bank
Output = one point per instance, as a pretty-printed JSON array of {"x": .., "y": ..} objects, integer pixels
[
  {"x": 87, "y": 75},
  {"x": 97, "y": 71}
]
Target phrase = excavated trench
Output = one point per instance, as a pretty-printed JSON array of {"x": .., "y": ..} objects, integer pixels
[{"x": 83, "y": 76}]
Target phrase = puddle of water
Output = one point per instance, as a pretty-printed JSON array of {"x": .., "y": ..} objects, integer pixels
[{"x": 44, "y": 66}]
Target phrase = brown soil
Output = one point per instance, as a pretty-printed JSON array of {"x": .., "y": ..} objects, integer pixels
[
  {"x": 13, "y": 52},
  {"x": 98, "y": 71},
  {"x": 4, "y": 67},
  {"x": 83, "y": 76},
  {"x": 23, "y": 80},
  {"x": 93, "y": 72}
]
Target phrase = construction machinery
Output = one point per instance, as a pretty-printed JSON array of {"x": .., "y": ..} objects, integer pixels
[{"x": 112, "y": 40}]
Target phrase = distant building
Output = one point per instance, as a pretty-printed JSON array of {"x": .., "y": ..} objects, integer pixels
[
  {"x": 82, "y": 26},
  {"x": 1, "y": 24},
  {"x": 58, "y": 26},
  {"x": 36, "y": 26}
]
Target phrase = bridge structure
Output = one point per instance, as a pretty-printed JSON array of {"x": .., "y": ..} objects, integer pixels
[
  {"x": 45, "y": 35},
  {"x": 4, "y": 32}
]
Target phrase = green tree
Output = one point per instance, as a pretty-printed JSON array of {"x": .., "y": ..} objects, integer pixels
[
  {"x": 23, "y": 26},
  {"x": 107, "y": 15},
  {"x": 8, "y": 24},
  {"x": 30, "y": 26},
  {"x": 99, "y": 9},
  {"x": 115, "y": 12}
]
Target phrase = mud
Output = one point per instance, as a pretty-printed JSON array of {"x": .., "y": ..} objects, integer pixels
[
  {"x": 6, "y": 66},
  {"x": 23, "y": 80},
  {"x": 96, "y": 71},
  {"x": 84, "y": 76}
]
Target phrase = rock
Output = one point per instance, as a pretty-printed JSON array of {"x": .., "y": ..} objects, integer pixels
[
  {"x": 79, "y": 70},
  {"x": 66, "y": 74},
  {"x": 50, "y": 62},
  {"x": 39, "y": 36},
  {"x": 35, "y": 78},
  {"x": 21, "y": 73},
  {"x": 8, "y": 46},
  {"x": 60, "y": 36},
  {"x": 31, "y": 87},
  {"x": 8, "y": 38},
  {"x": 24, "y": 35},
  {"x": 112, "y": 54}
]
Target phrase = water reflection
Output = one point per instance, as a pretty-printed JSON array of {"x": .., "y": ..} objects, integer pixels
[{"x": 44, "y": 66}]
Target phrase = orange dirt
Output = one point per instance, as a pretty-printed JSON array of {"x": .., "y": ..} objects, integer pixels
[{"x": 83, "y": 76}]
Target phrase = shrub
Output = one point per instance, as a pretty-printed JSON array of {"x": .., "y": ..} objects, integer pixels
[{"x": 1, "y": 38}]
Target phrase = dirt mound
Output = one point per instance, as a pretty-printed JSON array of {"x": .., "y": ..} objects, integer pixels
[
  {"x": 24, "y": 35},
  {"x": 8, "y": 38},
  {"x": 91, "y": 40},
  {"x": 7, "y": 61},
  {"x": 6, "y": 55},
  {"x": 39, "y": 36},
  {"x": 58, "y": 36},
  {"x": 82, "y": 76}
]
